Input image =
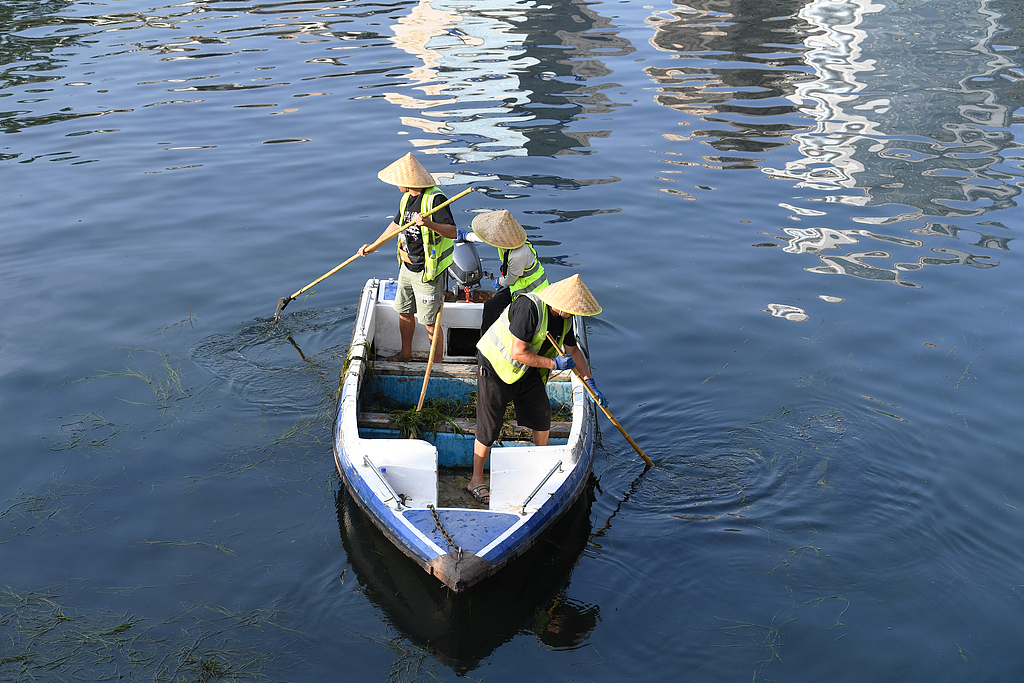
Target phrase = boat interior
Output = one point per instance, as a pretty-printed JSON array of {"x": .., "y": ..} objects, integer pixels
[{"x": 432, "y": 464}]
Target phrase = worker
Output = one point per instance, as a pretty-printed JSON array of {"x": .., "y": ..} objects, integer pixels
[
  {"x": 424, "y": 251},
  {"x": 514, "y": 359},
  {"x": 521, "y": 269}
]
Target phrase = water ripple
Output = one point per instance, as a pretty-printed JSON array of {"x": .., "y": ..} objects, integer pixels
[{"x": 262, "y": 364}]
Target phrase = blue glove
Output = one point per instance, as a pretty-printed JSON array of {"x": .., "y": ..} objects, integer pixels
[
  {"x": 597, "y": 392},
  {"x": 460, "y": 235},
  {"x": 497, "y": 285},
  {"x": 564, "y": 363}
]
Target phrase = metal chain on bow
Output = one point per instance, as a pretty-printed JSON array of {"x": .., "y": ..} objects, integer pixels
[{"x": 444, "y": 532}]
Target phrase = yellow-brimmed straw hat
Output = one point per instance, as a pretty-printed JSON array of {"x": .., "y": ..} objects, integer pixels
[
  {"x": 499, "y": 229},
  {"x": 407, "y": 172},
  {"x": 570, "y": 295}
]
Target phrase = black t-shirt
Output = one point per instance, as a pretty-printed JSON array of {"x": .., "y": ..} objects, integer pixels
[
  {"x": 411, "y": 239},
  {"x": 522, "y": 321}
]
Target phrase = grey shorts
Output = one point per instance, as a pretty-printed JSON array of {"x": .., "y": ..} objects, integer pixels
[{"x": 415, "y": 296}]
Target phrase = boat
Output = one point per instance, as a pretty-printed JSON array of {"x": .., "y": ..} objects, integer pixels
[{"x": 413, "y": 489}]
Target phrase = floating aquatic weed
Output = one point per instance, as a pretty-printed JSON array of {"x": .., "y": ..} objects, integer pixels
[
  {"x": 411, "y": 663},
  {"x": 765, "y": 637},
  {"x": 42, "y": 639},
  {"x": 168, "y": 389},
  {"x": 768, "y": 637},
  {"x": 91, "y": 432},
  {"x": 752, "y": 463},
  {"x": 306, "y": 436},
  {"x": 796, "y": 554},
  {"x": 306, "y": 431},
  {"x": 190, "y": 321},
  {"x": 219, "y": 545},
  {"x": 48, "y": 503}
]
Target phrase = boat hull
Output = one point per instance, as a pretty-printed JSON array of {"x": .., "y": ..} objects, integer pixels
[{"x": 394, "y": 480}]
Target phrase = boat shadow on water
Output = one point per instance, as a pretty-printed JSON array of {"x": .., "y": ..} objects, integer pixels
[{"x": 463, "y": 629}]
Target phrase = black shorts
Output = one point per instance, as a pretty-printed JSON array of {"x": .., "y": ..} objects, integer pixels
[{"x": 528, "y": 395}]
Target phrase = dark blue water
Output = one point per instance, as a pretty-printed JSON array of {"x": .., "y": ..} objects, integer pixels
[{"x": 799, "y": 217}]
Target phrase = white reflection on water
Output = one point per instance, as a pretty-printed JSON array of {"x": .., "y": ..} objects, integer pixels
[
  {"x": 894, "y": 116},
  {"x": 470, "y": 64},
  {"x": 791, "y": 313}
]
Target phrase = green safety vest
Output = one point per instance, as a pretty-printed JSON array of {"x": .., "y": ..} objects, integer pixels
[
  {"x": 533, "y": 278},
  {"x": 437, "y": 251},
  {"x": 496, "y": 344}
]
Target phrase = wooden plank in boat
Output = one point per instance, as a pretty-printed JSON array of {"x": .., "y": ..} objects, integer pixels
[
  {"x": 559, "y": 430},
  {"x": 415, "y": 368}
]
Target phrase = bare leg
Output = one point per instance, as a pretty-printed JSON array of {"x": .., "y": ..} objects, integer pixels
[
  {"x": 480, "y": 455},
  {"x": 540, "y": 438},
  {"x": 439, "y": 350},
  {"x": 406, "y": 327}
]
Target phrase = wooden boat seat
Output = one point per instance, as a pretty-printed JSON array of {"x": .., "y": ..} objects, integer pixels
[
  {"x": 416, "y": 368},
  {"x": 559, "y": 430}
]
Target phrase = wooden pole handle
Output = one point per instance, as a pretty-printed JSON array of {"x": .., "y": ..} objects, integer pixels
[
  {"x": 607, "y": 413},
  {"x": 430, "y": 361},
  {"x": 283, "y": 301}
]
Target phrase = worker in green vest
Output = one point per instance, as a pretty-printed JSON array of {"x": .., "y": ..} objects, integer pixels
[
  {"x": 425, "y": 251},
  {"x": 514, "y": 359},
  {"x": 521, "y": 269}
]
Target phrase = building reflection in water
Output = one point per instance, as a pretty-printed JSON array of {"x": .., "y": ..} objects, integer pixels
[
  {"x": 918, "y": 122},
  {"x": 908, "y": 108},
  {"x": 744, "y": 59},
  {"x": 504, "y": 78}
]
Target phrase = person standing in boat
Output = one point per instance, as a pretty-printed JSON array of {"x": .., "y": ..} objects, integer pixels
[
  {"x": 425, "y": 251},
  {"x": 521, "y": 269},
  {"x": 514, "y": 359}
]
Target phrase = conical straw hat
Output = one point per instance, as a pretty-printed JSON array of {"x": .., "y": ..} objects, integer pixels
[
  {"x": 570, "y": 295},
  {"x": 407, "y": 172},
  {"x": 499, "y": 229}
]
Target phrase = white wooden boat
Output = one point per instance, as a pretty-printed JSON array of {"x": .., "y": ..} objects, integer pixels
[{"x": 413, "y": 489}]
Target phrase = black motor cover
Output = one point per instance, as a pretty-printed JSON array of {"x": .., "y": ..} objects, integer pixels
[{"x": 466, "y": 267}]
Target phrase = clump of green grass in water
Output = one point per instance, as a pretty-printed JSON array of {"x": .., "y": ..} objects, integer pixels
[{"x": 208, "y": 669}]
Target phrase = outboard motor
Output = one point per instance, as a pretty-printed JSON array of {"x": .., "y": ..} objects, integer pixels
[{"x": 466, "y": 268}]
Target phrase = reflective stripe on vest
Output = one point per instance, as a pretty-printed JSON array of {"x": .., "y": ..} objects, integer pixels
[
  {"x": 496, "y": 344},
  {"x": 438, "y": 251},
  {"x": 533, "y": 278}
]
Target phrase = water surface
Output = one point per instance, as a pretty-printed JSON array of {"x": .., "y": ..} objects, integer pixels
[{"x": 799, "y": 217}]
